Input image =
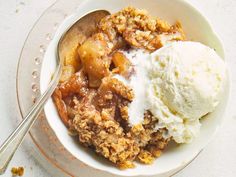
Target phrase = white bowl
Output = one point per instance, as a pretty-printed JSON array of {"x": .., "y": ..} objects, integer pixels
[{"x": 175, "y": 157}]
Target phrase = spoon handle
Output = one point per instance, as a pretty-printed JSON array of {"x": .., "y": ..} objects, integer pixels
[{"x": 9, "y": 147}]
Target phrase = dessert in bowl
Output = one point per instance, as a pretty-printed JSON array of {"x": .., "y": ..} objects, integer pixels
[{"x": 138, "y": 87}]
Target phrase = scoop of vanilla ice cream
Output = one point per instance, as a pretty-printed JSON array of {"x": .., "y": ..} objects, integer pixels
[
  {"x": 186, "y": 80},
  {"x": 190, "y": 77}
]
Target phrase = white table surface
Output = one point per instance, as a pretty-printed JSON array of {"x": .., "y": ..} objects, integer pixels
[{"x": 218, "y": 159}]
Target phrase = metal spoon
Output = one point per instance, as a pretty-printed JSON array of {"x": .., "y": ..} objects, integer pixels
[{"x": 85, "y": 26}]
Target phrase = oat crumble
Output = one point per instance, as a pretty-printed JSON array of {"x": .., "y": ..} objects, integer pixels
[{"x": 94, "y": 105}]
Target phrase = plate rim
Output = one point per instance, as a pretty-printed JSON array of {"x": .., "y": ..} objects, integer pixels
[{"x": 20, "y": 107}]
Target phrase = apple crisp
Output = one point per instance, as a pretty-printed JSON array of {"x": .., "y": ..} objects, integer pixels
[{"x": 94, "y": 105}]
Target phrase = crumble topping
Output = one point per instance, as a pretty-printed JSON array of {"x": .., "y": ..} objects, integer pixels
[
  {"x": 140, "y": 30},
  {"x": 93, "y": 104}
]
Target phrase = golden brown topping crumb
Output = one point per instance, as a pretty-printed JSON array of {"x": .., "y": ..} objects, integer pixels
[
  {"x": 117, "y": 87},
  {"x": 126, "y": 165},
  {"x": 17, "y": 171},
  {"x": 124, "y": 112},
  {"x": 145, "y": 157}
]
